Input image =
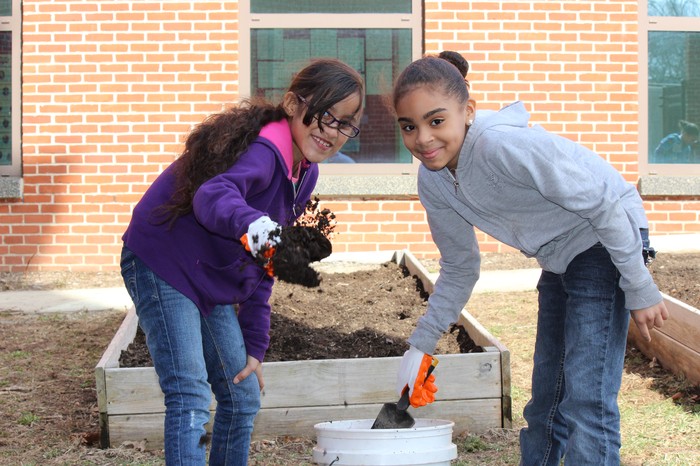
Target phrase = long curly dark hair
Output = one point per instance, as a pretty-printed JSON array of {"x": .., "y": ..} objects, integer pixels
[{"x": 214, "y": 145}]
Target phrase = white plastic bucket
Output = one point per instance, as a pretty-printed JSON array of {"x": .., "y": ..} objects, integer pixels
[{"x": 428, "y": 443}]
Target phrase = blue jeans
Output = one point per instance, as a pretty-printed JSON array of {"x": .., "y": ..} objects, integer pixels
[
  {"x": 193, "y": 357},
  {"x": 578, "y": 362}
]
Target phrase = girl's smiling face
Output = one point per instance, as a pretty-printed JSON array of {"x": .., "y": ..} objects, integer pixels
[
  {"x": 317, "y": 144},
  {"x": 433, "y": 126}
]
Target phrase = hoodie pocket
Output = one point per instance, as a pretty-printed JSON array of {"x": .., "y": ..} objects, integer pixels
[{"x": 230, "y": 284}]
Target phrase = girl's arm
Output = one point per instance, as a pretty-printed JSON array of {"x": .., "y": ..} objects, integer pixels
[
  {"x": 459, "y": 267},
  {"x": 221, "y": 205}
]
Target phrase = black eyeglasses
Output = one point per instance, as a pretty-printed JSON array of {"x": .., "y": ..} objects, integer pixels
[{"x": 332, "y": 122}]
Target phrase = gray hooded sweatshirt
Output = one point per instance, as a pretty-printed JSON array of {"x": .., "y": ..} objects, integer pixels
[{"x": 538, "y": 192}]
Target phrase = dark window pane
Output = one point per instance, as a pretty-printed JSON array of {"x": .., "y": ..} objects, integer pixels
[
  {"x": 674, "y": 97},
  {"x": 5, "y": 98},
  {"x": 379, "y": 55},
  {"x": 5, "y": 7},
  {"x": 325, "y": 6},
  {"x": 682, "y": 8}
]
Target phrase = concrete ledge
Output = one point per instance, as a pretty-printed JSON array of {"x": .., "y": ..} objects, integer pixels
[
  {"x": 669, "y": 186},
  {"x": 392, "y": 186},
  {"x": 676, "y": 243},
  {"x": 70, "y": 300}
]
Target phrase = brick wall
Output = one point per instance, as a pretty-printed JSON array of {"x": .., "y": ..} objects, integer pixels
[{"x": 110, "y": 89}]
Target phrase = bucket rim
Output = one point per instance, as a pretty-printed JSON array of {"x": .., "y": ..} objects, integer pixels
[{"x": 338, "y": 425}]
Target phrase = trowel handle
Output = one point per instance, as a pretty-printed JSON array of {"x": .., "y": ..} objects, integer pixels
[{"x": 403, "y": 402}]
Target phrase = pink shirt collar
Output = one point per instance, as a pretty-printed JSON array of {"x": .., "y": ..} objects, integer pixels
[{"x": 279, "y": 133}]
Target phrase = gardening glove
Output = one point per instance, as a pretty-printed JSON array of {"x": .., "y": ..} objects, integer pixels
[
  {"x": 413, "y": 372},
  {"x": 262, "y": 237}
]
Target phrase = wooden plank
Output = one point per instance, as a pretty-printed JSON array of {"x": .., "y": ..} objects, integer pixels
[
  {"x": 415, "y": 267},
  {"x": 506, "y": 404},
  {"x": 366, "y": 380},
  {"x": 110, "y": 358},
  {"x": 478, "y": 332},
  {"x": 469, "y": 416},
  {"x": 133, "y": 390},
  {"x": 122, "y": 339},
  {"x": 683, "y": 324},
  {"x": 101, "y": 386},
  {"x": 671, "y": 354},
  {"x": 472, "y": 415},
  {"x": 335, "y": 382}
]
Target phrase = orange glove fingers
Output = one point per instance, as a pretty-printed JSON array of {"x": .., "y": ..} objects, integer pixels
[
  {"x": 421, "y": 398},
  {"x": 267, "y": 254},
  {"x": 424, "y": 389},
  {"x": 269, "y": 268},
  {"x": 244, "y": 241},
  {"x": 425, "y": 363}
]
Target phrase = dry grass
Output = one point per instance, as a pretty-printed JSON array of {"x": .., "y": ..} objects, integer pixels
[{"x": 656, "y": 430}]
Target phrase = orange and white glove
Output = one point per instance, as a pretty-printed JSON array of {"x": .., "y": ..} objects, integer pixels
[
  {"x": 262, "y": 237},
  {"x": 413, "y": 372}
]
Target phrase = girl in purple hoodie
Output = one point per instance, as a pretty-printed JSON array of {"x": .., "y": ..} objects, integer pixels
[{"x": 244, "y": 172}]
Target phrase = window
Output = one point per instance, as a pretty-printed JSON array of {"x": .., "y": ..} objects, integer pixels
[
  {"x": 10, "y": 118},
  {"x": 379, "y": 39},
  {"x": 670, "y": 89}
]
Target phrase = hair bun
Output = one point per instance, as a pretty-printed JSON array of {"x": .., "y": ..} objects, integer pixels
[{"x": 457, "y": 60}]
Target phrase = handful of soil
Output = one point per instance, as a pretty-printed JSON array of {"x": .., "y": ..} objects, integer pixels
[
  {"x": 305, "y": 242},
  {"x": 298, "y": 247}
]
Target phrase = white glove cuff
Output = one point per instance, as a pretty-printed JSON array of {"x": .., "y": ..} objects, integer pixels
[{"x": 408, "y": 370}]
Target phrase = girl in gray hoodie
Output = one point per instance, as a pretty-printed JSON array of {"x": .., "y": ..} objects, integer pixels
[{"x": 554, "y": 200}]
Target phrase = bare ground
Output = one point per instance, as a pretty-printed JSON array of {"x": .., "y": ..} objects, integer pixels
[{"x": 47, "y": 386}]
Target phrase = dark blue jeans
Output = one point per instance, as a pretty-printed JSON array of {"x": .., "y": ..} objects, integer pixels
[
  {"x": 194, "y": 356},
  {"x": 578, "y": 362}
]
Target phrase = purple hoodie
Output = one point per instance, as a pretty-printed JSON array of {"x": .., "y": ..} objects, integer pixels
[{"x": 201, "y": 255}]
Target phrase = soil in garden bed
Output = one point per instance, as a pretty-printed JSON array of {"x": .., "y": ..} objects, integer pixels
[
  {"x": 360, "y": 314},
  {"x": 371, "y": 313}
]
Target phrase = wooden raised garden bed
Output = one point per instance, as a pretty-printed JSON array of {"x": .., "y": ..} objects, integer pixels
[
  {"x": 474, "y": 387},
  {"x": 676, "y": 345}
]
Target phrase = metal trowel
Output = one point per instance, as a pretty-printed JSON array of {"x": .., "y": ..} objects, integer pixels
[{"x": 395, "y": 415}]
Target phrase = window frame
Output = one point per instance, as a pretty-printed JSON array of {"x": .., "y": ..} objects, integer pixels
[
  {"x": 680, "y": 171},
  {"x": 14, "y": 25},
  {"x": 412, "y": 21}
]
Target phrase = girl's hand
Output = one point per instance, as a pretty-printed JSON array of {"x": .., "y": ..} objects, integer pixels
[
  {"x": 253, "y": 365},
  {"x": 263, "y": 235},
  {"x": 650, "y": 317}
]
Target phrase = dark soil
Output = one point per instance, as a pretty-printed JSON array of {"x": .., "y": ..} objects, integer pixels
[
  {"x": 678, "y": 275},
  {"x": 299, "y": 247},
  {"x": 371, "y": 313},
  {"x": 361, "y": 314}
]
